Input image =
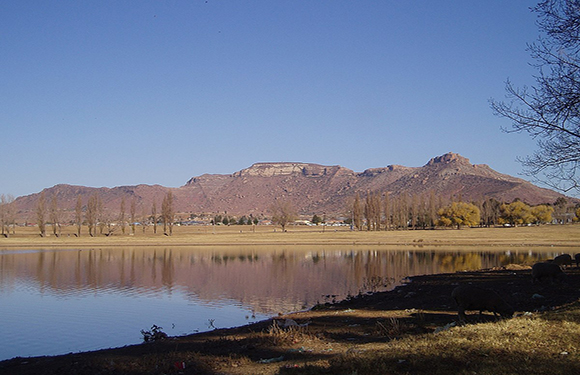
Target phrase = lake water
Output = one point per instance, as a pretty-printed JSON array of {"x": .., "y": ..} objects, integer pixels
[{"x": 61, "y": 301}]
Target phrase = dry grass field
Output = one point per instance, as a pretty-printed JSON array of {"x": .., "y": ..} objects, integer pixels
[{"x": 535, "y": 236}]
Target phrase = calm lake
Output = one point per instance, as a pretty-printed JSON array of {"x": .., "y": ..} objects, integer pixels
[{"x": 62, "y": 301}]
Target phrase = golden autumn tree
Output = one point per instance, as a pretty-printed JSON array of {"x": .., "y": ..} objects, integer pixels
[
  {"x": 459, "y": 214},
  {"x": 542, "y": 213},
  {"x": 516, "y": 213}
]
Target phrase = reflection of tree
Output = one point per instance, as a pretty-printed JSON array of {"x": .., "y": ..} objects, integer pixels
[
  {"x": 316, "y": 258},
  {"x": 460, "y": 262},
  {"x": 154, "y": 267},
  {"x": 133, "y": 268},
  {"x": 167, "y": 271},
  {"x": 278, "y": 281},
  {"x": 40, "y": 268},
  {"x": 78, "y": 271}
]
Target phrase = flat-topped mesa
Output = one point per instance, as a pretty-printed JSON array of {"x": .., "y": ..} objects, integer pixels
[{"x": 286, "y": 168}]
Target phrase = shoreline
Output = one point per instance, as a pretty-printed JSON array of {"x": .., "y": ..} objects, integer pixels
[
  {"x": 321, "y": 337},
  {"x": 17, "y": 247},
  {"x": 546, "y": 236}
]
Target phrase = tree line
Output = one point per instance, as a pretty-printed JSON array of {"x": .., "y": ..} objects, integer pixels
[
  {"x": 381, "y": 211},
  {"x": 231, "y": 220},
  {"x": 370, "y": 211},
  {"x": 99, "y": 220}
]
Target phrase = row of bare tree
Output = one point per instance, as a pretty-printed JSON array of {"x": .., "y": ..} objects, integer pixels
[
  {"x": 378, "y": 211},
  {"x": 98, "y": 220}
]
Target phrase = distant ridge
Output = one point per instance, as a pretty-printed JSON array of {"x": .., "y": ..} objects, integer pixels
[{"x": 312, "y": 188}]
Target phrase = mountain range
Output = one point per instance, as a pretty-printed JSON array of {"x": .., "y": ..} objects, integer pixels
[{"x": 311, "y": 188}]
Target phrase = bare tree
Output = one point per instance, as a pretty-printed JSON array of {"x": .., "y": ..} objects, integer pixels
[
  {"x": 357, "y": 212},
  {"x": 101, "y": 219},
  {"x": 3, "y": 214},
  {"x": 377, "y": 210},
  {"x": 154, "y": 216},
  {"x": 167, "y": 213},
  {"x": 432, "y": 210},
  {"x": 41, "y": 214},
  {"x": 79, "y": 214},
  {"x": 372, "y": 211},
  {"x": 133, "y": 215},
  {"x": 91, "y": 214},
  {"x": 422, "y": 213},
  {"x": 283, "y": 213},
  {"x": 10, "y": 213},
  {"x": 560, "y": 210},
  {"x": 402, "y": 211},
  {"x": 490, "y": 212},
  {"x": 55, "y": 216},
  {"x": 108, "y": 222},
  {"x": 550, "y": 110},
  {"x": 144, "y": 219},
  {"x": 368, "y": 211},
  {"x": 122, "y": 215},
  {"x": 413, "y": 211},
  {"x": 387, "y": 211}
]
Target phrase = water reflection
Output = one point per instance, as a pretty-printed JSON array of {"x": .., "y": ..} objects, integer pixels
[
  {"x": 73, "y": 290},
  {"x": 269, "y": 281}
]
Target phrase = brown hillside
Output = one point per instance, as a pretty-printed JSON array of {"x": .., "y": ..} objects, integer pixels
[{"x": 312, "y": 188}]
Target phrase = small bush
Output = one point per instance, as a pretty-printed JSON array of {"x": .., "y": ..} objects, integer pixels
[{"x": 155, "y": 334}]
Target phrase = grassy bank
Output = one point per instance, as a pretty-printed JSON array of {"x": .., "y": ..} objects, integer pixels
[{"x": 542, "y": 236}]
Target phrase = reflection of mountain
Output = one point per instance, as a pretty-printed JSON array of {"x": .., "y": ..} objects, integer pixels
[{"x": 266, "y": 280}]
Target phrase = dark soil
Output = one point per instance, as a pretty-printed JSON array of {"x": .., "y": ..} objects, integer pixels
[{"x": 423, "y": 304}]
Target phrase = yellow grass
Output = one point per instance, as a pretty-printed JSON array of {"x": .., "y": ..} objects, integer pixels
[
  {"x": 535, "y": 344},
  {"x": 543, "y": 236}
]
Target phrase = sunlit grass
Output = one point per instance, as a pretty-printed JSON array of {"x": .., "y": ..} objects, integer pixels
[{"x": 537, "y": 344}]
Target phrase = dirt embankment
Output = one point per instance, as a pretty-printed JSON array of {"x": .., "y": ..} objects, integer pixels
[{"x": 310, "y": 342}]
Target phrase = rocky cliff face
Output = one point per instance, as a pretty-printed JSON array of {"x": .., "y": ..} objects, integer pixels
[
  {"x": 284, "y": 169},
  {"x": 312, "y": 188}
]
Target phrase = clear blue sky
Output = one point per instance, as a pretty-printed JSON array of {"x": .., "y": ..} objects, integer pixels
[{"x": 109, "y": 93}]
